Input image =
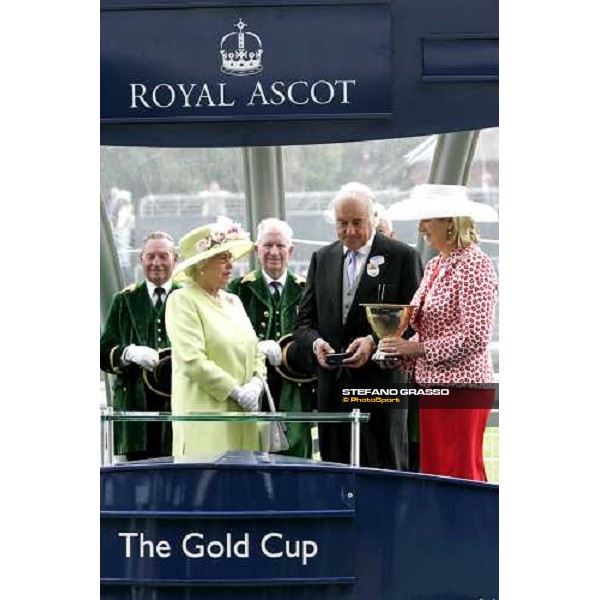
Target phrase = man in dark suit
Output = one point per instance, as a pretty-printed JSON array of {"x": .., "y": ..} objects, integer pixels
[
  {"x": 134, "y": 334},
  {"x": 363, "y": 266}
]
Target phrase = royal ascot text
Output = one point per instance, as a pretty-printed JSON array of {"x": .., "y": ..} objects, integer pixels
[{"x": 200, "y": 95}]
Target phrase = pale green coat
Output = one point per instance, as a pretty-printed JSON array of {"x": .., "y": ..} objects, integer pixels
[{"x": 214, "y": 349}]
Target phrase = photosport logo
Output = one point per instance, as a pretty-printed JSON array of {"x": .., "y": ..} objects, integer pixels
[{"x": 241, "y": 55}]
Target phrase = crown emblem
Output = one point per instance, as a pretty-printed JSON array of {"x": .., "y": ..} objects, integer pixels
[{"x": 241, "y": 52}]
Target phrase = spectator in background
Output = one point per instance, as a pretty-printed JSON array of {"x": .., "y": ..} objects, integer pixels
[
  {"x": 213, "y": 199},
  {"x": 383, "y": 224},
  {"x": 123, "y": 231},
  {"x": 112, "y": 205}
]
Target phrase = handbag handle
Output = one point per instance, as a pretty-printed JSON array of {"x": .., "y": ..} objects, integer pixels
[{"x": 267, "y": 392}]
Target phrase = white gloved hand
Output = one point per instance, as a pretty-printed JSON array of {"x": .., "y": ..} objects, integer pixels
[
  {"x": 246, "y": 398},
  {"x": 144, "y": 356},
  {"x": 272, "y": 350},
  {"x": 255, "y": 385}
]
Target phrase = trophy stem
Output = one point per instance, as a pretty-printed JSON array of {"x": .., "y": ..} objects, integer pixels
[{"x": 381, "y": 356}]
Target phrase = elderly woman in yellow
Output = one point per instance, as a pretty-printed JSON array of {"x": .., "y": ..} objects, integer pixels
[{"x": 216, "y": 362}]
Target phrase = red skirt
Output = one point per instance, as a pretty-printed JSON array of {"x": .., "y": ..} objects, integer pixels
[{"x": 452, "y": 429}]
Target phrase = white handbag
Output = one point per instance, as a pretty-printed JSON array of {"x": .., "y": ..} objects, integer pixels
[{"x": 272, "y": 434}]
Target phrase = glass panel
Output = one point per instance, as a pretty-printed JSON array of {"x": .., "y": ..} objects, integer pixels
[
  {"x": 484, "y": 186},
  {"x": 171, "y": 189},
  {"x": 313, "y": 174},
  {"x": 258, "y": 417}
]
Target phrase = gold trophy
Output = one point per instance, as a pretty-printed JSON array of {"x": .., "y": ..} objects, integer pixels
[{"x": 388, "y": 320}]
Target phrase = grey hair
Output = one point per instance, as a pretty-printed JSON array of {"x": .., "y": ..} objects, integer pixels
[
  {"x": 276, "y": 224},
  {"x": 158, "y": 235},
  {"x": 358, "y": 191}
]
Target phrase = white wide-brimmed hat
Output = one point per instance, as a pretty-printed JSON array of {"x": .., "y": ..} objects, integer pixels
[
  {"x": 206, "y": 241},
  {"x": 434, "y": 201}
]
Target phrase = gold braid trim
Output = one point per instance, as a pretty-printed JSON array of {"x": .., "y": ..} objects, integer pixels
[
  {"x": 250, "y": 277},
  {"x": 111, "y": 360},
  {"x": 285, "y": 363}
]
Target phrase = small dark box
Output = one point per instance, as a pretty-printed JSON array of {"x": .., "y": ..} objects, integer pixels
[{"x": 335, "y": 360}]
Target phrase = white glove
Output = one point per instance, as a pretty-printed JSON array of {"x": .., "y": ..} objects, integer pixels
[
  {"x": 247, "y": 399},
  {"x": 144, "y": 356},
  {"x": 272, "y": 350},
  {"x": 248, "y": 396},
  {"x": 255, "y": 385}
]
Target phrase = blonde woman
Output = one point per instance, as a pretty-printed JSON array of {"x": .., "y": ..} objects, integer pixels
[
  {"x": 453, "y": 323},
  {"x": 216, "y": 362}
]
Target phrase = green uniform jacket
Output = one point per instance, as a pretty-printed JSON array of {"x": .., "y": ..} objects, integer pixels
[
  {"x": 130, "y": 321},
  {"x": 256, "y": 298}
]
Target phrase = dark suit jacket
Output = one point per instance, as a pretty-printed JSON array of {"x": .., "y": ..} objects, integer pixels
[{"x": 320, "y": 315}]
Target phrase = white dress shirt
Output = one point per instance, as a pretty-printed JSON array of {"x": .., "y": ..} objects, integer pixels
[
  {"x": 151, "y": 287},
  {"x": 269, "y": 280},
  {"x": 361, "y": 255}
]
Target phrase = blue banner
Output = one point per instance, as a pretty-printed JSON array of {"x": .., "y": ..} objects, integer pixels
[
  {"x": 190, "y": 63},
  {"x": 251, "y": 525}
]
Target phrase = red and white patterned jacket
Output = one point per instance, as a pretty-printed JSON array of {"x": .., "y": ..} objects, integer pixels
[{"x": 455, "y": 319}]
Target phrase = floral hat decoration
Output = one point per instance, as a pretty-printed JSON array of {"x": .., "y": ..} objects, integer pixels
[{"x": 203, "y": 242}]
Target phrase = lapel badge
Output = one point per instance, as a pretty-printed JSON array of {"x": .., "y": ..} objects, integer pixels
[
  {"x": 372, "y": 270},
  {"x": 377, "y": 260}
]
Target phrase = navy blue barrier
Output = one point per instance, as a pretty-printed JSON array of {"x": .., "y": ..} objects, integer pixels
[{"x": 253, "y": 525}]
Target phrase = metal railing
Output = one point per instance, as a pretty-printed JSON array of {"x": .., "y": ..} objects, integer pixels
[{"x": 108, "y": 416}]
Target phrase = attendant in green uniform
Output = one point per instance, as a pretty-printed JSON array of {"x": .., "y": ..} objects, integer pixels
[
  {"x": 133, "y": 335},
  {"x": 217, "y": 366},
  {"x": 271, "y": 295}
]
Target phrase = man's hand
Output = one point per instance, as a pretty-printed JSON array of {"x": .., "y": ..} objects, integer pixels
[
  {"x": 271, "y": 350},
  {"x": 322, "y": 349},
  {"x": 361, "y": 349},
  {"x": 145, "y": 357}
]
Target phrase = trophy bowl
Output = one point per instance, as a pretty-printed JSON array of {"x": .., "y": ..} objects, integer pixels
[{"x": 388, "y": 320}]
